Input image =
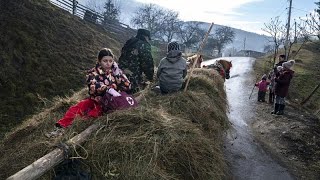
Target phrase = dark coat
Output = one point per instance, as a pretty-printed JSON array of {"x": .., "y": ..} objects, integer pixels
[
  {"x": 136, "y": 59},
  {"x": 283, "y": 82}
]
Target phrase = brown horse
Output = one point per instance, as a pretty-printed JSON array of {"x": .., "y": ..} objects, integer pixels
[
  {"x": 191, "y": 60},
  {"x": 222, "y": 66}
]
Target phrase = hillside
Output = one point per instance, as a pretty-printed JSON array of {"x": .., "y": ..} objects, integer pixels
[
  {"x": 44, "y": 53},
  {"x": 254, "y": 41},
  {"x": 306, "y": 76}
]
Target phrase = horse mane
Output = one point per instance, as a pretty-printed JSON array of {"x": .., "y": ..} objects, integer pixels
[
  {"x": 225, "y": 63},
  {"x": 191, "y": 60},
  {"x": 222, "y": 66}
]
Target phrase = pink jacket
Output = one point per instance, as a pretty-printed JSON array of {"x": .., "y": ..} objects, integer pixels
[{"x": 263, "y": 85}]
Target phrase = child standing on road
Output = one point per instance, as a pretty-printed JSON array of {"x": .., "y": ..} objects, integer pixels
[
  {"x": 262, "y": 85},
  {"x": 282, "y": 80}
]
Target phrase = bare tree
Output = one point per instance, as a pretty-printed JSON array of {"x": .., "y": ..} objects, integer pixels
[
  {"x": 268, "y": 48},
  {"x": 210, "y": 45},
  {"x": 169, "y": 26},
  {"x": 223, "y": 36},
  {"x": 303, "y": 36},
  {"x": 275, "y": 30},
  {"x": 312, "y": 21},
  {"x": 149, "y": 17},
  {"x": 190, "y": 33},
  {"x": 92, "y": 4}
]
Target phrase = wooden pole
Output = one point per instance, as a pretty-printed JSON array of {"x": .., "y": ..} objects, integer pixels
[
  {"x": 307, "y": 99},
  {"x": 74, "y": 7},
  {"x": 288, "y": 31},
  {"x": 198, "y": 54},
  {"x": 40, "y": 166}
]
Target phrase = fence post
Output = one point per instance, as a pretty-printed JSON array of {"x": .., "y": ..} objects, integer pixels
[{"x": 74, "y": 7}]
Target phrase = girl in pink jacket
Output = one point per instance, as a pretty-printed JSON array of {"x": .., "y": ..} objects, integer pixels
[{"x": 262, "y": 85}]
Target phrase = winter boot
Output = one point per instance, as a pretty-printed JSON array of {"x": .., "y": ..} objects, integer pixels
[
  {"x": 281, "y": 108},
  {"x": 276, "y": 108}
]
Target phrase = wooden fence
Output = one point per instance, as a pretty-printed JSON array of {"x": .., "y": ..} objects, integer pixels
[{"x": 73, "y": 7}]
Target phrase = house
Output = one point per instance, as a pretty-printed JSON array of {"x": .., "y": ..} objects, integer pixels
[{"x": 250, "y": 53}]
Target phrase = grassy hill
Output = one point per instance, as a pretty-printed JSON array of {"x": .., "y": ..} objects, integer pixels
[{"x": 44, "y": 53}]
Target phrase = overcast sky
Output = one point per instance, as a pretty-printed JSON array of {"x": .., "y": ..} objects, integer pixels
[{"x": 249, "y": 15}]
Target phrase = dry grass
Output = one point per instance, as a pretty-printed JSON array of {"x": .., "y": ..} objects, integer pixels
[{"x": 176, "y": 136}]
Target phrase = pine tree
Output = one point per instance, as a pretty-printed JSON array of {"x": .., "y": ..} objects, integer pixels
[{"x": 111, "y": 12}]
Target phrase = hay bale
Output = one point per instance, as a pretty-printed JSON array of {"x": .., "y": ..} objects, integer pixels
[{"x": 176, "y": 136}]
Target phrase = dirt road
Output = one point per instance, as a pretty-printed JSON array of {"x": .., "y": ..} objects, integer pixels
[{"x": 247, "y": 158}]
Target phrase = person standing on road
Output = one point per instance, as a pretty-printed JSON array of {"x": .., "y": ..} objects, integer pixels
[
  {"x": 262, "y": 85},
  {"x": 282, "y": 87},
  {"x": 136, "y": 59},
  {"x": 282, "y": 59}
]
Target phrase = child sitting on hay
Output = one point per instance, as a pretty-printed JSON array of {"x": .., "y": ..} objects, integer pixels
[
  {"x": 172, "y": 69},
  {"x": 105, "y": 81}
]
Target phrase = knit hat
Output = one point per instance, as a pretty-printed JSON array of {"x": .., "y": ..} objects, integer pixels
[
  {"x": 264, "y": 77},
  {"x": 289, "y": 64},
  {"x": 279, "y": 68},
  {"x": 173, "y": 46},
  {"x": 143, "y": 32}
]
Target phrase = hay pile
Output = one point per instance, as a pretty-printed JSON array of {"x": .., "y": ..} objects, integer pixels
[{"x": 176, "y": 136}]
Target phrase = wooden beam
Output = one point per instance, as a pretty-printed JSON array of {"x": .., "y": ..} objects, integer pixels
[
  {"x": 42, "y": 165},
  {"x": 198, "y": 54},
  {"x": 307, "y": 99}
]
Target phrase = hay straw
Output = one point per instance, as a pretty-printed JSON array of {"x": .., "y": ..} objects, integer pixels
[{"x": 176, "y": 136}]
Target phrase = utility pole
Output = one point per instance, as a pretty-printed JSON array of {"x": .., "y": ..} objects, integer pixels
[
  {"x": 295, "y": 31},
  {"x": 288, "y": 30},
  {"x": 244, "y": 43}
]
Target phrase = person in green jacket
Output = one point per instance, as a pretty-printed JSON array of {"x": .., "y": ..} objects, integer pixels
[{"x": 136, "y": 60}]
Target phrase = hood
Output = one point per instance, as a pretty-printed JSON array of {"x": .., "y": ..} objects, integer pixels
[
  {"x": 288, "y": 71},
  {"x": 174, "y": 55}
]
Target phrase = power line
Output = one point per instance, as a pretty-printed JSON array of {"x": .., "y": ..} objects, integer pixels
[
  {"x": 301, "y": 10},
  {"x": 282, "y": 6},
  {"x": 282, "y": 12}
]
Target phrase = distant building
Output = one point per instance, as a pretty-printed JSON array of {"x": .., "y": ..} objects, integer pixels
[{"x": 250, "y": 53}]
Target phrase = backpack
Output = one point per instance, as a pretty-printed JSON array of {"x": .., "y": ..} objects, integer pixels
[
  {"x": 111, "y": 103},
  {"x": 71, "y": 169}
]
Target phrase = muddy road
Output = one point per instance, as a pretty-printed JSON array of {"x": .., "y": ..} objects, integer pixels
[{"x": 246, "y": 157}]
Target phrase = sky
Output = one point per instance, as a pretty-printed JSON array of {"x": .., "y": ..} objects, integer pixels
[{"x": 248, "y": 15}]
